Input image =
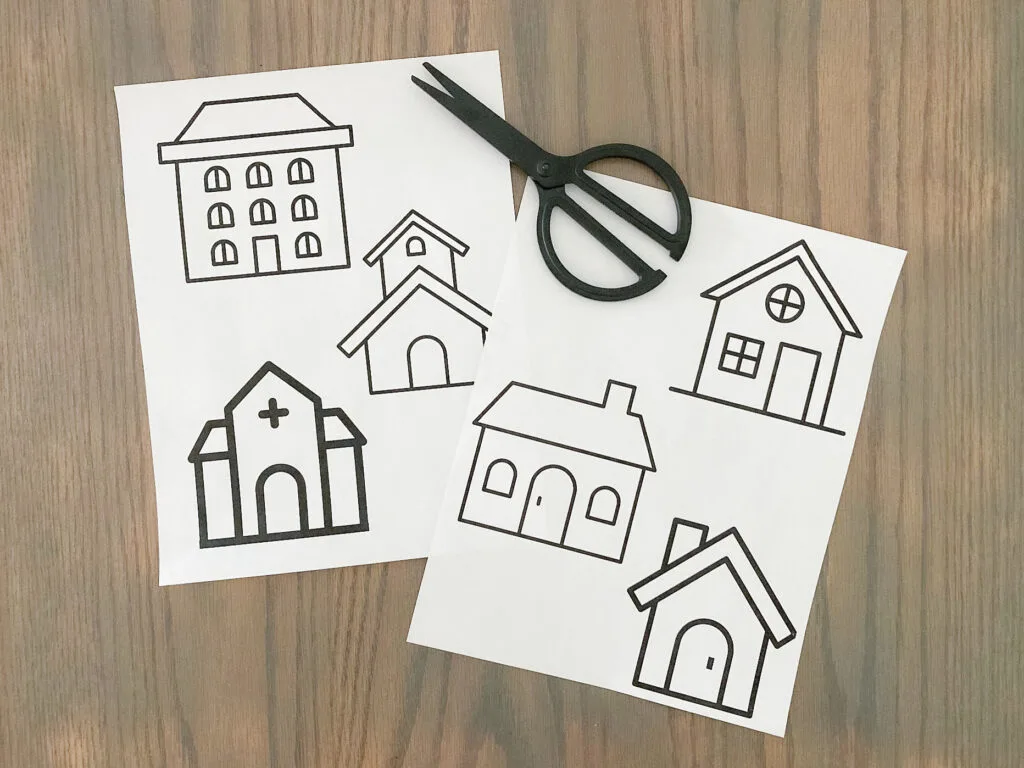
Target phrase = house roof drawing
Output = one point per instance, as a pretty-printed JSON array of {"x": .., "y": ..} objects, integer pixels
[
  {"x": 608, "y": 429},
  {"x": 212, "y": 442},
  {"x": 800, "y": 253},
  {"x": 415, "y": 219},
  {"x": 339, "y": 430},
  {"x": 257, "y": 125},
  {"x": 728, "y": 549},
  {"x": 416, "y": 281},
  {"x": 270, "y": 369}
]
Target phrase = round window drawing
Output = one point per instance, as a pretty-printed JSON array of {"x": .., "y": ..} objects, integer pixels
[{"x": 784, "y": 303}]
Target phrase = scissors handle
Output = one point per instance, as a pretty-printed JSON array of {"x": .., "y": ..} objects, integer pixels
[{"x": 552, "y": 197}]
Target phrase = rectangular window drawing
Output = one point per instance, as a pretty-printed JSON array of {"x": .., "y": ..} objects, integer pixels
[{"x": 741, "y": 355}]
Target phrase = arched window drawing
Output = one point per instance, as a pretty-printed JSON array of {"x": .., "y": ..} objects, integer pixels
[
  {"x": 220, "y": 216},
  {"x": 500, "y": 478},
  {"x": 415, "y": 246},
  {"x": 300, "y": 171},
  {"x": 307, "y": 246},
  {"x": 217, "y": 179},
  {"x": 262, "y": 212},
  {"x": 258, "y": 175},
  {"x": 604, "y": 505},
  {"x": 303, "y": 208},
  {"x": 223, "y": 252}
]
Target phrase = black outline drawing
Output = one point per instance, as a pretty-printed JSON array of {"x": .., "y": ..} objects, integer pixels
[
  {"x": 741, "y": 355},
  {"x": 777, "y": 344},
  {"x": 313, "y": 133},
  {"x": 423, "y": 226},
  {"x": 256, "y": 240},
  {"x": 525, "y": 417},
  {"x": 509, "y": 486},
  {"x": 415, "y": 277},
  {"x": 223, "y": 252},
  {"x": 217, "y": 443},
  {"x": 615, "y": 513},
  {"x": 680, "y": 569},
  {"x": 778, "y": 307}
]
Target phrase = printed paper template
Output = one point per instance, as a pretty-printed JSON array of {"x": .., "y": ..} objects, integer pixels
[
  {"x": 643, "y": 491},
  {"x": 315, "y": 255}
]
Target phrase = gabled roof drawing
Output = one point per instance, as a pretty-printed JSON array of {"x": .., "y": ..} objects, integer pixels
[
  {"x": 728, "y": 549},
  {"x": 267, "y": 369},
  {"x": 800, "y": 253},
  {"x": 256, "y": 125},
  {"x": 608, "y": 429},
  {"x": 414, "y": 218},
  {"x": 418, "y": 280},
  {"x": 339, "y": 429},
  {"x": 212, "y": 442}
]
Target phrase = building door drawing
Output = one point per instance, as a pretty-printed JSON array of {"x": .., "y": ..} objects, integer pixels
[
  {"x": 281, "y": 500},
  {"x": 428, "y": 363},
  {"x": 792, "y": 382},
  {"x": 700, "y": 662},
  {"x": 548, "y": 502},
  {"x": 267, "y": 253}
]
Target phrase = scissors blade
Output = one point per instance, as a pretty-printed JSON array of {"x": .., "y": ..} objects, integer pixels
[{"x": 496, "y": 131}]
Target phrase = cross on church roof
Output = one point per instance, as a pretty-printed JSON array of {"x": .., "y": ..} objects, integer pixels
[{"x": 273, "y": 413}]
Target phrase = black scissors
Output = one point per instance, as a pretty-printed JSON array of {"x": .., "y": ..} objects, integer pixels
[{"x": 553, "y": 172}]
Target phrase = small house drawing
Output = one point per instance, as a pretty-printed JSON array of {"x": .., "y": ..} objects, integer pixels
[
  {"x": 416, "y": 241},
  {"x": 712, "y": 618},
  {"x": 775, "y": 339},
  {"x": 278, "y": 466},
  {"x": 259, "y": 188},
  {"x": 560, "y": 470},
  {"x": 425, "y": 333}
]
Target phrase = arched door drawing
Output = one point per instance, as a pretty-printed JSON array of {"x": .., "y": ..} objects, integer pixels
[
  {"x": 428, "y": 363},
  {"x": 700, "y": 662},
  {"x": 548, "y": 503},
  {"x": 281, "y": 500}
]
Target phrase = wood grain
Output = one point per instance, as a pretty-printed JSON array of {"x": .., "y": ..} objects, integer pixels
[{"x": 901, "y": 122}]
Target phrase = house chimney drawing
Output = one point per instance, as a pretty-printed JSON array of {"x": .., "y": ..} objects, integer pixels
[
  {"x": 618, "y": 397},
  {"x": 684, "y": 538}
]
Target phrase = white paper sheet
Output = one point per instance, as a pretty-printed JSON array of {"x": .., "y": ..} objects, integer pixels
[
  {"x": 643, "y": 491},
  {"x": 314, "y": 253}
]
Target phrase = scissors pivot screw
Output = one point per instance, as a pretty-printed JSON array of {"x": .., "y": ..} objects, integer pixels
[{"x": 544, "y": 168}]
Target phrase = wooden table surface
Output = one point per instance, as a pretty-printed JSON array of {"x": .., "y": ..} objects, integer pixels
[{"x": 901, "y": 122}]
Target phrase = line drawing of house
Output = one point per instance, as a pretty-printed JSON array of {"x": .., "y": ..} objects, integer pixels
[
  {"x": 423, "y": 243},
  {"x": 259, "y": 188},
  {"x": 775, "y": 340},
  {"x": 278, "y": 466},
  {"x": 712, "y": 617},
  {"x": 558, "y": 469},
  {"x": 425, "y": 334}
]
